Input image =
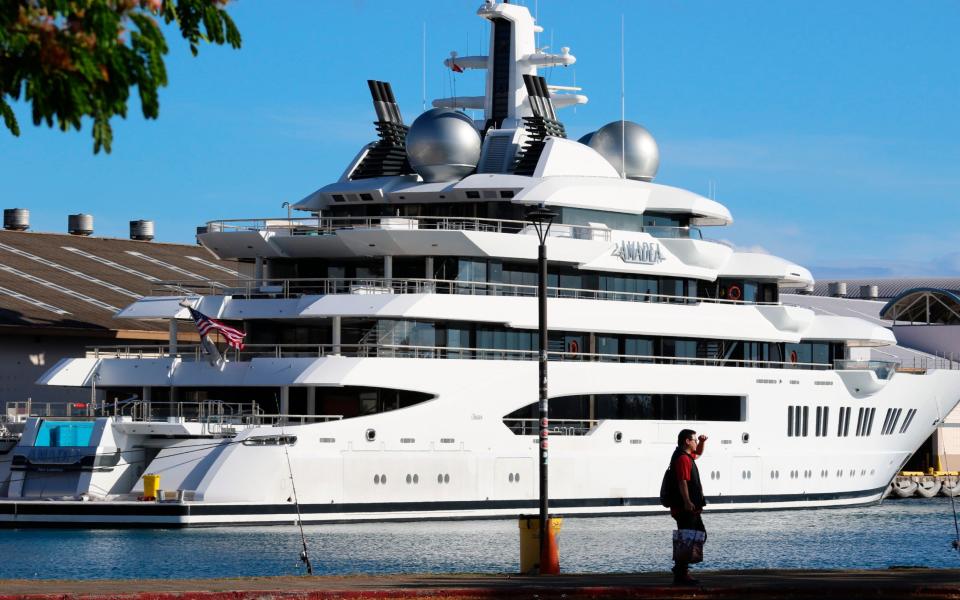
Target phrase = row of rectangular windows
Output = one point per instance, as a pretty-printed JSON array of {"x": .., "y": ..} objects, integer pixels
[{"x": 798, "y": 419}]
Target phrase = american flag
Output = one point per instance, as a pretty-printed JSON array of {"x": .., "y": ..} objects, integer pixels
[{"x": 205, "y": 324}]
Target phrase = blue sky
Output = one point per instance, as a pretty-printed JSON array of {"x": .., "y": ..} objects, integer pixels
[{"x": 830, "y": 129}]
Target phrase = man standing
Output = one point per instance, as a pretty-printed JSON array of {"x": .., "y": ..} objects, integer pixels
[{"x": 687, "y": 507}]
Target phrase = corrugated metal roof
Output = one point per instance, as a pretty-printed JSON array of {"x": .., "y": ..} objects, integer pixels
[
  {"x": 52, "y": 280},
  {"x": 887, "y": 288}
]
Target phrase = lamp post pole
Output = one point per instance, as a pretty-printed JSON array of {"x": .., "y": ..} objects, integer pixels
[{"x": 542, "y": 219}]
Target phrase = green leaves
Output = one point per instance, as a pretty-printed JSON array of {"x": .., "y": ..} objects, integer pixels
[{"x": 72, "y": 59}]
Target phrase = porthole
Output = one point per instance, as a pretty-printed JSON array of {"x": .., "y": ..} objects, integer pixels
[
  {"x": 743, "y": 474},
  {"x": 376, "y": 479},
  {"x": 371, "y": 435},
  {"x": 618, "y": 436},
  {"x": 416, "y": 479},
  {"x": 446, "y": 478},
  {"x": 516, "y": 477},
  {"x": 510, "y": 478},
  {"x": 749, "y": 474},
  {"x": 745, "y": 437},
  {"x": 872, "y": 471},
  {"x": 383, "y": 478},
  {"x": 409, "y": 478},
  {"x": 440, "y": 478}
]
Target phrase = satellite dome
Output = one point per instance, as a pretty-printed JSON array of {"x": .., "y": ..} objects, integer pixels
[
  {"x": 585, "y": 140},
  {"x": 443, "y": 145},
  {"x": 631, "y": 141}
]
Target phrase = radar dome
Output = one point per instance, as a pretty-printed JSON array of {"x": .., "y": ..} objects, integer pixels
[
  {"x": 631, "y": 141},
  {"x": 443, "y": 145}
]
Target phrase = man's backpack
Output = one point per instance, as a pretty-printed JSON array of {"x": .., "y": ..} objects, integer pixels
[{"x": 669, "y": 490}]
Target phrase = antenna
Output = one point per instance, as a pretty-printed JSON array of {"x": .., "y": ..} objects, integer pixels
[
  {"x": 623, "y": 104},
  {"x": 423, "y": 58},
  {"x": 536, "y": 20}
]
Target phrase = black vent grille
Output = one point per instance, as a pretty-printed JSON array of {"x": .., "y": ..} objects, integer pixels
[
  {"x": 542, "y": 125},
  {"x": 388, "y": 156}
]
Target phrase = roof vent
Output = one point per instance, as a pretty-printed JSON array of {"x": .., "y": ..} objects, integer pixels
[
  {"x": 16, "y": 219},
  {"x": 141, "y": 230},
  {"x": 837, "y": 289},
  {"x": 871, "y": 292},
  {"x": 80, "y": 224}
]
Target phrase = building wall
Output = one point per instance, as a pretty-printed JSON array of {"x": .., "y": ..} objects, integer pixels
[
  {"x": 948, "y": 442},
  {"x": 935, "y": 339},
  {"x": 24, "y": 358}
]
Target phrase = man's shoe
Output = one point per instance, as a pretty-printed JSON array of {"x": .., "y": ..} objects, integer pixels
[{"x": 685, "y": 579}]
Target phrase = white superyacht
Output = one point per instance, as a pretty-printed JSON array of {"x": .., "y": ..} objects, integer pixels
[{"x": 390, "y": 360}]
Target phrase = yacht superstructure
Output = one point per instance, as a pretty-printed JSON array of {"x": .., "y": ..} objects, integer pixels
[{"x": 390, "y": 365}]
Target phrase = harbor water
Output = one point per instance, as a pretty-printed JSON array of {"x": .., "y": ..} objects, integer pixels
[{"x": 897, "y": 533}]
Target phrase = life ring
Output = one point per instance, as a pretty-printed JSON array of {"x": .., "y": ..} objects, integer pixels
[
  {"x": 734, "y": 292},
  {"x": 574, "y": 347},
  {"x": 793, "y": 356}
]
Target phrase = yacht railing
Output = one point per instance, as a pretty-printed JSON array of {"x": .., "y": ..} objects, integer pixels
[
  {"x": 557, "y": 426},
  {"x": 202, "y": 410},
  {"x": 330, "y": 225},
  {"x": 295, "y": 288},
  {"x": 883, "y": 368},
  {"x": 217, "y": 416},
  {"x": 251, "y": 351},
  {"x": 948, "y": 362}
]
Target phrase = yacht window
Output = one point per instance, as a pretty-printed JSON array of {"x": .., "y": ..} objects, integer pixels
[
  {"x": 607, "y": 344},
  {"x": 472, "y": 270},
  {"x": 636, "y": 346},
  {"x": 872, "y": 412},
  {"x": 270, "y": 440},
  {"x": 655, "y": 407}
]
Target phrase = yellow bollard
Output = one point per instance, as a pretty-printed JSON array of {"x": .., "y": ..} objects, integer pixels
[
  {"x": 530, "y": 545},
  {"x": 151, "y": 484}
]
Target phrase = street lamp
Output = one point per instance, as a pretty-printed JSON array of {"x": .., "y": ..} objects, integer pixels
[{"x": 542, "y": 218}]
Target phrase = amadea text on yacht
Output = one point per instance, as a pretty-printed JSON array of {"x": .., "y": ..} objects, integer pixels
[{"x": 389, "y": 368}]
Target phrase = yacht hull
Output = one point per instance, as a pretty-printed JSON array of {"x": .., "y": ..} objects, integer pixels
[
  {"x": 24, "y": 514},
  {"x": 455, "y": 456}
]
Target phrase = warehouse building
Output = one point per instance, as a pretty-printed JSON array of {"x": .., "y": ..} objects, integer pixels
[{"x": 59, "y": 292}]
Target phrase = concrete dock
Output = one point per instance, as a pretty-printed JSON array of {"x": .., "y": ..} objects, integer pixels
[{"x": 896, "y": 583}]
